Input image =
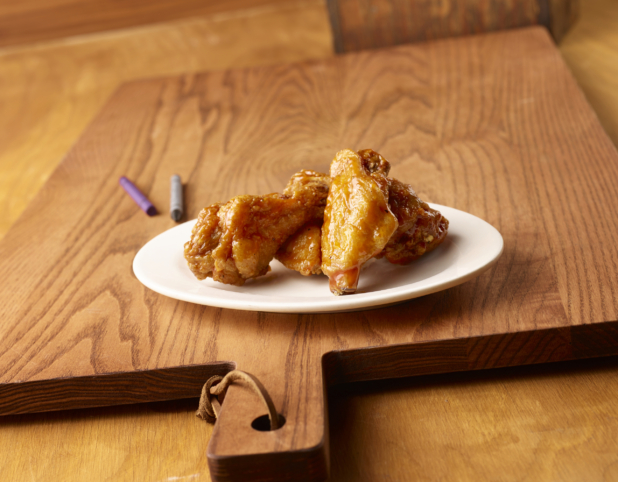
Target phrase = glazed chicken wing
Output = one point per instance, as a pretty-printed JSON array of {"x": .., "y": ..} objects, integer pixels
[
  {"x": 421, "y": 228},
  {"x": 310, "y": 183},
  {"x": 204, "y": 238},
  {"x": 357, "y": 220},
  {"x": 302, "y": 251},
  {"x": 332, "y": 224},
  {"x": 237, "y": 241}
]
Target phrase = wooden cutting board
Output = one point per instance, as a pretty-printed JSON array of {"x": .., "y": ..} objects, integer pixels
[{"x": 493, "y": 125}]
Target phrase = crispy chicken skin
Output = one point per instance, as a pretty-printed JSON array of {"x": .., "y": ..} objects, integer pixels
[
  {"x": 305, "y": 181},
  {"x": 204, "y": 238},
  {"x": 421, "y": 228},
  {"x": 236, "y": 241},
  {"x": 321, "y": 223},
  {"x": 302, "y": 251},
  {"x": 357, "y": 220}
]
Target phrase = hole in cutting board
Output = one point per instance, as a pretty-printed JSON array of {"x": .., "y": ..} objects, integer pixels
[{"x": 262, "y": 423}]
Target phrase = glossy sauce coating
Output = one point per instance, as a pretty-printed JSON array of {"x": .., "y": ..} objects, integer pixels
[
  {"x": 320, "y": 223},
  {"x": 302, "y": 251},
  {"x": 357, "y": 220},
  {"x": 237, "y": 241},
  {"x": 421, "y": 228}
]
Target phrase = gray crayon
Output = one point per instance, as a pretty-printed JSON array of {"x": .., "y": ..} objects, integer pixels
[{"x": 176, "y": 207}]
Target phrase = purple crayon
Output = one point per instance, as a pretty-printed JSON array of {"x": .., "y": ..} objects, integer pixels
[{"x": 141, "y": 200}]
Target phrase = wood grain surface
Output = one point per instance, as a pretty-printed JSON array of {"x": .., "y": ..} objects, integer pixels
[
  {"x": 541, "y": 422},
  {"x": 366, "y": 24},
  {"x": 49, "y": 93},
  {"x": 539, "y": 298},
  {"x": 29, "y": 21},
  {"x": 545, "y": 422}
]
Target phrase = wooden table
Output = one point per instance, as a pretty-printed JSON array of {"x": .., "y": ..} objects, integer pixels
[{"x": 538, "y": 423}]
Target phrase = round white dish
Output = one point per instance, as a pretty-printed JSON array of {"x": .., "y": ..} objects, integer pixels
[{"x": 471, "y": 246}]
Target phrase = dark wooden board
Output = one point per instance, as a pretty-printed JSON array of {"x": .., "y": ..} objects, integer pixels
[
  {"x": 370, "y": 24},
  {"x": 493, "y": 125}
]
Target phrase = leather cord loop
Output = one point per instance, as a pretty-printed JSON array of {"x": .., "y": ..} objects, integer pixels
[{"x": 214, "y": 390}]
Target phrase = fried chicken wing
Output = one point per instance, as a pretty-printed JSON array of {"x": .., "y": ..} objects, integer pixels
[
  {"x": 421, "y": 228},
  {"x": 306, "y": 181},
  {"x": 332, "y": 224},
  {"x": 302, "y": 251},
  {"x": 357, "y": 220},
  {"x": 204, "y": 238},
  {"x": 237, "y": 241}
]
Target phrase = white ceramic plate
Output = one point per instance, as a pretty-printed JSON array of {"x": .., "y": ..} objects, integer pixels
[{"x": 471, "y": 246}]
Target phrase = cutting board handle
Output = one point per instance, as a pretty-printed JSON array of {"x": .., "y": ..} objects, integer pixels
[{"x": 243, "y": 448}]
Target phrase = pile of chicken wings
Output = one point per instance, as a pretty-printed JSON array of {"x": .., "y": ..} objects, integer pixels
[{"x": 321, "y": 223}]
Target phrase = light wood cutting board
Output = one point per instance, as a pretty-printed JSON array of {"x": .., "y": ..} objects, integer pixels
[{"x": 493, "y": 125}]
